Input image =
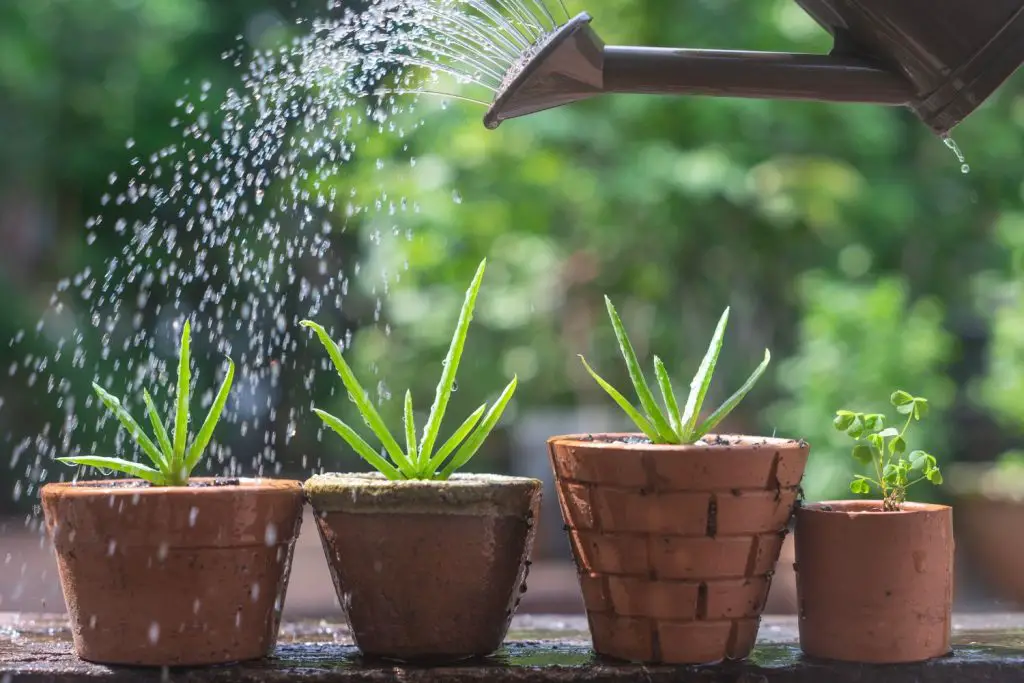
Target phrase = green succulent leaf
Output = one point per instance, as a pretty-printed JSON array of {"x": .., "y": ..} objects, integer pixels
[
  {"x": 671, "y": 407},
  {"x": 181, "y": 414},
  {"x": 734, "y": 400},
  {"x": 702, "y": 380},
  {"x": 202, "y": 439},
  {"x": 453, "y": 441},
  {"x": 634, "y": 414},
  {"x": 130, "y": 425},
  {"x": 363, "y": 449},
  {"x": 410, "y": 429},
  {"x": 471, "y": 445},
  {"x": 643, "y": 392},
  {"x": 133, "y": 469},
  {"x": 163, "y": 440},
  {"x": 451, "y": 366},
  {"x": 365, "y": 406}
]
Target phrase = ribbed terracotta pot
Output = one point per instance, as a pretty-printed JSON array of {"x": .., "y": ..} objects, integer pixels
[
  {"x": 874, "y": 586},
  {"x": 676, "y": 545},
  {"x": 427, "y": 571},
  {"x": 174, "y": 576}
]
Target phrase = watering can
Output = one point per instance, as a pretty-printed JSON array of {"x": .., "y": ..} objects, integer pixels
[{"x": 940, "y": 58}]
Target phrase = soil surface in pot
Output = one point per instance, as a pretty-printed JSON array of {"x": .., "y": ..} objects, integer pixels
[
  {"x": 676, "y": 545},
  {"x": 174, "y": 576},
  {"x": 427, "y": 571},
  {"x": 874, "y": 586}
]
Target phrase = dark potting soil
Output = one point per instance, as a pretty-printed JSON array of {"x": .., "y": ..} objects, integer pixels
[{"x": 140, "y": 484}]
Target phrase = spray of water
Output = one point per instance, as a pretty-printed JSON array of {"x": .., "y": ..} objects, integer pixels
[{"x": 251, "y": 222}]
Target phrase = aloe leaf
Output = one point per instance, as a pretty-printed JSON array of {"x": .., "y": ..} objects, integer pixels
[
  {"x": 134, "y": 469},
  {"x": 634, "y": 414},
  {"x": 360, "y": 446},
  {"x": 671, "y": 407},
  {"x": 202, "y": 439},
  {"x": 181, "y": 416},
  {"x": 131, "y": 426},
  {"x": 471, "y": 445},
  {"x": 643, "y": 392},
  {"x": 733, "y": 400},
  {"x": 158, "y": 428},
  {"x": 702, "y": 380},
  {"x": 365, "y": 406},
  {"x": 410, "y": 428},
  {"x": 453, "y": 441},
  {"x": 451, "y": 366}
]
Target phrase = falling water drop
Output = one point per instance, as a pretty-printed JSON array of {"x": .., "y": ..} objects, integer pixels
[{"x": 154, "y": 633}]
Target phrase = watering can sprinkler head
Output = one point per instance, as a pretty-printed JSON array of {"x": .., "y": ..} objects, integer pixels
[{"x": 940, "y": 58}]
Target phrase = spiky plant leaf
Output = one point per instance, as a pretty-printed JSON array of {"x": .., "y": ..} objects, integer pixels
[
  {"x": 134, "y": 469},
  {"x": 702, "y": 380},
  {"x": 158, "y": 428},
  {"x": 202, "y": 439},
  {"x": 181, "y": 415},
  {"x": 634, "y": 414},
  {"x": 471, "y": 445},
  {"x": 410, "y": 429},
  {"x": 451, "y": 366},
  {"x": 131, "y": 426},
  {"x": 671, "y": 407},
  {"x": 360, "y": 446},
  {"x": 733, "y": 400},
  {"x": 453, "y": 441},
  {"x": 365, "y": 406}
]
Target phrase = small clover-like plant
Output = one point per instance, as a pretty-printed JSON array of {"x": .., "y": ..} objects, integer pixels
[
  {"x": 673, "y": 426},
  {"x": 885, "y": 448},
  {"x": 418, "y": 460},
  {"x": 173, "y": 461}
]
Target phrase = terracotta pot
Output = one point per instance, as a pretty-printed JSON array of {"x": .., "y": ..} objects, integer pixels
[
  {"x": 676, "y": 545},
  {"x": 873, "y": 586},
  {"x": 174, "y": 576},
  {"x": 427, "y": 571}
]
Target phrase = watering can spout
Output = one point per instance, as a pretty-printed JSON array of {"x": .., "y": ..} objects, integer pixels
[{"x": 941, "y": 58}]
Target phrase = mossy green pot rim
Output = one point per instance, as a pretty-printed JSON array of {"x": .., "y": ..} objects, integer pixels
[{"x": 463, "y": 494}]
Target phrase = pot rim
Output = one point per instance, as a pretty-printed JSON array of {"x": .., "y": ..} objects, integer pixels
[
  {"x": 371, "y": 492},
  {"x": 116, "y": 487},
  {"x": 868, "y": 507},
  {"x": 599, "y": 441}
]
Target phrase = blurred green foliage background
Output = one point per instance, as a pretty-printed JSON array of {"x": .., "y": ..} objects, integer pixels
[{"x": 844, "y": 237}]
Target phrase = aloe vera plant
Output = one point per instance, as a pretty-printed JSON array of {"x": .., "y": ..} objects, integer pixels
[
  {"x": 175, "y": 457},
  {"x": 672, "y": 426},
  {"x": 418, "y": 460}
]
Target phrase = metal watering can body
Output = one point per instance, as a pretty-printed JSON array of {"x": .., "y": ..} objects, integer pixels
[{"x": 941, "y": 58}]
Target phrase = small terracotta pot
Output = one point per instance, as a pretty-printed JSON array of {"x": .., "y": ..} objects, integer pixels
[
  {"x": 874, "y": 586},
  {"x": 427, "y": 571},
  {"x": 174, "y": 576},
  {"x": 676, "y": 545}
]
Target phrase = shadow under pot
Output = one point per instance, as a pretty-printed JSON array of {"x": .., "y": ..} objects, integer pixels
[
  {"x": 427, "y": 571},
  {"x": 873, "y": 586},
  {"x": 174, "y": 576},
  {"x": 676, "y": 545}
]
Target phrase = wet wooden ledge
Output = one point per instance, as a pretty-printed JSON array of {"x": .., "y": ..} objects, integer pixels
[{"x": 540, "y": 649}]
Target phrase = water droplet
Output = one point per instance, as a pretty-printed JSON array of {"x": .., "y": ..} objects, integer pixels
[
  {"x": 456, "y": 197},
  {"x": 270, "y": 535},
  {"x": 255, "y": 592},
  {"x": 92, "y": 621},
  {"x": 111, "y": 547},
  {"x": 161, "y": 551},
  {"x": 129, "y": 143},
  {"x": 154, "y": 633},
  {"x": 193, "y": 513}
]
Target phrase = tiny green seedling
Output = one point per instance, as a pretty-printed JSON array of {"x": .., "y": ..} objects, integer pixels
[
  {"x": 671, "y": 427},
  {"x": 885, "y": 448},
  {"x": 173, "y": 461},
  {"x": 418, "y": 460}
]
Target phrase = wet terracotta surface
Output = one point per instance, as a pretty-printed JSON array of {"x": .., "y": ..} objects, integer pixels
[
  {"x": 984, "y": 524},
  {"x": 428, "y": 571},
  {"x": 174, "y": 576},
  {"x": 539, "y": 650},
  {"x": 874, "y": 586},
  {"x": 676, "y": 545}
]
